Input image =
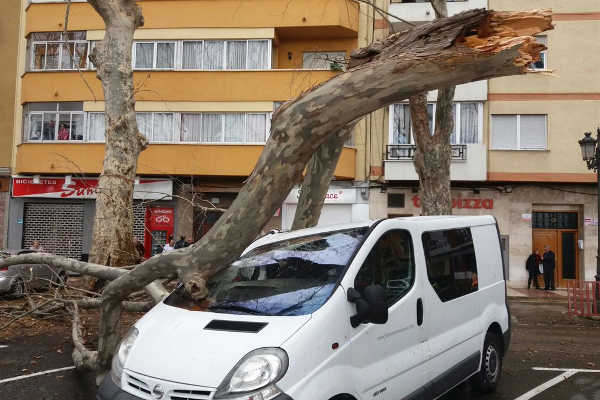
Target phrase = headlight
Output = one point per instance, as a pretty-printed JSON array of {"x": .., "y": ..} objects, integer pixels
[
  {"x": 121, "y": 355},
  {"x": 256, "y": 372}
]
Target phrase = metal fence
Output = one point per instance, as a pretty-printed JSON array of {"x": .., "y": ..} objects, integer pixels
[
  {"x": 407, "y": 152},
  {"x": 584, "y": 298}
]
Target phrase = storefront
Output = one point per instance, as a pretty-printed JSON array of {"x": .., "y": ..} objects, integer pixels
[
  {"x": 343, "y": 204},
  {"x": 529, "y": 216},
  {"x": 59, "y": 213}
]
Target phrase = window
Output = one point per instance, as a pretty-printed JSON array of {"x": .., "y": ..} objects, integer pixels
[
  {"x": 332, "y": 60},
  {"x": 57, "y": 51},
  {"x": 389, "y": 264},
  {"x": 96, "y": 127},
  {"x": 156, "y": 126},
  {"x": 54, "y": 122},
  {"x": 395, "y": 200},
  {"x": 226, "y": 127},
  {"x": 68, "y": 122},
  {"x": 451, "y": 262},
  {"x": 467, "y": 116},
  {"x": 541, "y": 63},
  {"x": 226, "y": 55},
  {"x": 154, "y": 55},
  {"x": 518, "y": 132}
]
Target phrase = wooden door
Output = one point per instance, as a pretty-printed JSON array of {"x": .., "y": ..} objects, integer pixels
[
  {"x": 567, "y": 267},
  {"x": 543, "y": 237}
]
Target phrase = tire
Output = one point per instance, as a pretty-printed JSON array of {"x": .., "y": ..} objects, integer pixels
[
  {"x": 486, "y": 380},
  {"x": 17, "y": 289}
]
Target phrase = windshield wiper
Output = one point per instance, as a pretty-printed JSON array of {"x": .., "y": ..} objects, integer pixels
[{"x": 238, "y": 308}]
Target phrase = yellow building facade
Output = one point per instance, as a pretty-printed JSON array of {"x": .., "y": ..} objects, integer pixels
[{"x": 208, "y": 76}]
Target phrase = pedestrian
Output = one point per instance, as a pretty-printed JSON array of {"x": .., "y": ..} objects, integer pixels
[
  {"x": 549, "y": 262},
  {"x": 36, "y": 246},
  {"x": 189, "y": 241},
  {"x": 533, "y": 267},
  {"x": 169, "y": 246},
  {"x": 180, "y": 243}
]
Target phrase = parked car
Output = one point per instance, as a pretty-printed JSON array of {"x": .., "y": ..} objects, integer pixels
[
  {"x": 404, "y": 308},
  {"x": 18, "y": 279}
]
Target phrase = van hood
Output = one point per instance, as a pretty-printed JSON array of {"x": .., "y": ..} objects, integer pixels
[{"x": 175, "y": 345}]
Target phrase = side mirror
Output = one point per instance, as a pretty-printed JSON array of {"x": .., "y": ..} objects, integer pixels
[{"x": 371, "y": 306}]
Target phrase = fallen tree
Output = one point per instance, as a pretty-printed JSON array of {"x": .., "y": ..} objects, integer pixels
[{"x": 474, "y": 45}]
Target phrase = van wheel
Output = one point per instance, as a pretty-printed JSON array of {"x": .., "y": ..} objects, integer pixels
[{"x": 486, "y": 380}]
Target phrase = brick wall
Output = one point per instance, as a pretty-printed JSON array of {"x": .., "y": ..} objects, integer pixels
[
  {"x": 58, "y": 227},
  {"x": 139, "y": 218}
]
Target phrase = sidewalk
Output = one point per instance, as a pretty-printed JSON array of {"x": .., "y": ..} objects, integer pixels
[{"x": 558, "y": 295}]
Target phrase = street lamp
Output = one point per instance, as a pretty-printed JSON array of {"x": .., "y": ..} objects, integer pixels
[{"x": 590, "y": 152}]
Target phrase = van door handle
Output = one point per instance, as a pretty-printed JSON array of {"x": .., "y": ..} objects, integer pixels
[{"x": 419, "y": 312}]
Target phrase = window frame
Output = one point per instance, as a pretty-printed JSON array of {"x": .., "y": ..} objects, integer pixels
[
  {"x": 427, "y": 261},
  {"x": 519, "y": 148},
  {"x": 543, "y": 54},
  {"x": 61, "y": 47},
  {"x": 224, "y": 66},
  {"x": 222, "y": 141},
  {"x": 57, "y": 113},
  {"x": 154, "y": 55},
  {"x": 411, "y": 245},
  {"x": 457, "y": 121}
]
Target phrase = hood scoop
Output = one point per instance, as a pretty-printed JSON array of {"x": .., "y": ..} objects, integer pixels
[{"x": 235, "y": 326}]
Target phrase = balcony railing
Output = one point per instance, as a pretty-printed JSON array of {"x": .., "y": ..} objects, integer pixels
[{"x": 407, "y": 152}]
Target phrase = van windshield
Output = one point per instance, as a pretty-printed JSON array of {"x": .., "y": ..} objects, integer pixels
[{"x": 291, "y": 277}]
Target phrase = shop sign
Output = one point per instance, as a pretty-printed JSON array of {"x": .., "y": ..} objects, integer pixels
[
  {"x": 463, "y": 202},
  {"x": 161, "y": 216},
  {"x": 86, "y": 188},
  {"x": 333, "y": 196}
]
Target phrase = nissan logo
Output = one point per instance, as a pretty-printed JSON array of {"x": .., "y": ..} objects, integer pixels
[{"x": 158, "y": 392}]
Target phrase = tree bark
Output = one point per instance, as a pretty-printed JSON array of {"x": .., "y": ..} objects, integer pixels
[
  {"x": 433, "y": 153},
  {"x": 319, "y": 172},
  {"x": 113, "y": 223},
  {"x": 474, "y": 45}
]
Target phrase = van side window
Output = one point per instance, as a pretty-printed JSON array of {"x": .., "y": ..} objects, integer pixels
[
  {"x": 389, "y": 264},
  {"x": 451, "y": 263}
]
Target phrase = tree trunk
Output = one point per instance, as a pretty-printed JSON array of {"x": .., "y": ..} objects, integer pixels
[
  {"x": 433, "y": 152},
  {"x": 319, "y": 173},
  {"x": 112, "y": 242}
]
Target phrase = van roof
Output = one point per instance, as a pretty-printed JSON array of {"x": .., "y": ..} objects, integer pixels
[{"x": 433, "y": 220}]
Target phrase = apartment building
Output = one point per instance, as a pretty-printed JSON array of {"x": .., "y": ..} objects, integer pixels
[
  {"x": 9, "y": 31},
  {"x": 208, "y": 76},
  {"x": 515, "y": 150}
]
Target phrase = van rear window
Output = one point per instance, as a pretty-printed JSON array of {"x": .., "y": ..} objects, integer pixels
[{"x": 451, "y": 263}]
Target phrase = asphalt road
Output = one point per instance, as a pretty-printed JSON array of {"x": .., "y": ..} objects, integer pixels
[{"x": 543, "y": 336}]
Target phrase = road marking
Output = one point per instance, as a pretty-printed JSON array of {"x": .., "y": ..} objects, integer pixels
[
  {"x": 537, "y": 390},
  {"x": 50, "y": 371},
  {"x": 567, "y": 369}
]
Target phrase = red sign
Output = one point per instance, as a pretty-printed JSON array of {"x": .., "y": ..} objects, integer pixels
[
  {"x": 86, "y": 188},
  {"x": 161, "y": 217},
  {"x": 463, "y": 202}
]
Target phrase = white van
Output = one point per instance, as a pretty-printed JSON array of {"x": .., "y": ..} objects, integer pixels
[{"x": 402, "y": 308}]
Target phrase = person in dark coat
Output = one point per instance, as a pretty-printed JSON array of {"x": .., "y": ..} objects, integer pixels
[
  {"x": 533, "y": 267},
  {"x": 180, "y": 243},
  {"x": 549, "y": 261}
]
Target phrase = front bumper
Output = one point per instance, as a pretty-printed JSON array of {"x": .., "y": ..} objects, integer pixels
[{"x": 110, "y": 391}]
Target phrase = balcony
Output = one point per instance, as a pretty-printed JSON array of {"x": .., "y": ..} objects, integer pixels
[
  {"x": 222, "y": 86},
  {"x": 468, "y": 163},
  {"x": 335, "y": 18},
  {"x": 157, "y": 159}
]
